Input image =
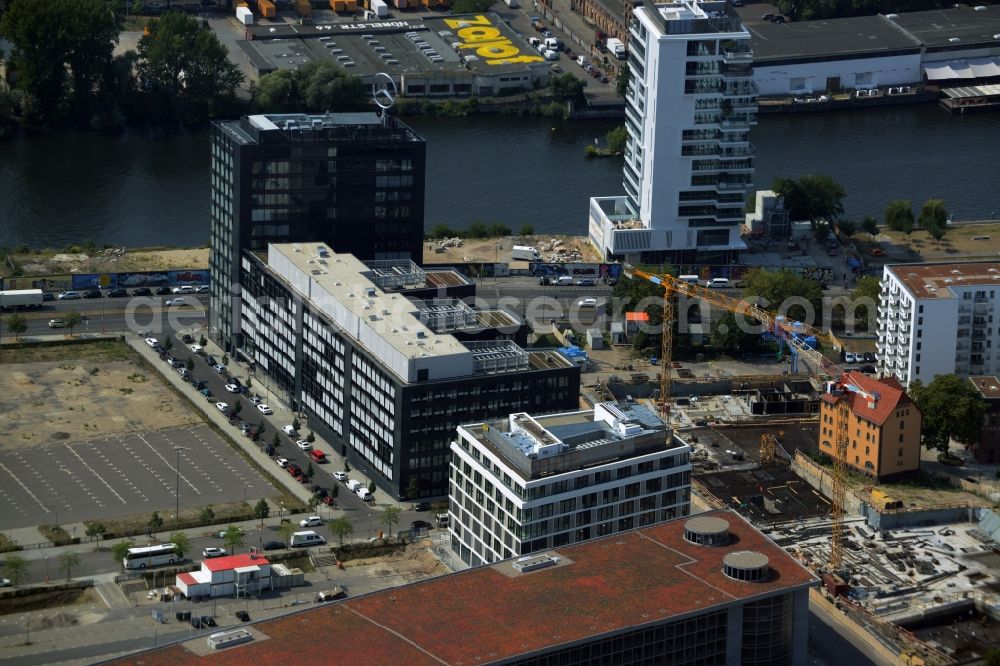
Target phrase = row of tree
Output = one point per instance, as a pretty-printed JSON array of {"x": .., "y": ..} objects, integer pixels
[{"x": 63, "y": 68}]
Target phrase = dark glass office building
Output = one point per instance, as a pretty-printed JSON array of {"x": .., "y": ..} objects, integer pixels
[{"x": 350, "y": 180}]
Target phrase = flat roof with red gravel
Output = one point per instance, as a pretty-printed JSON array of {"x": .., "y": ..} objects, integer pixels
[
  {"x": 234, "y": 562},
  {"x": 494, "y": 612}
]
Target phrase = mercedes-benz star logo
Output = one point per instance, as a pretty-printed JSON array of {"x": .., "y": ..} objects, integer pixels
[{"x": 384, "y": 91}]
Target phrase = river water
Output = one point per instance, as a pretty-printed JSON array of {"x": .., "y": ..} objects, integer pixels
[{"x": 128, "y": 189}]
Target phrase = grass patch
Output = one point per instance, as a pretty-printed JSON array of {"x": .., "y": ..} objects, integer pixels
[
  {"x": 921, "y": 480},
  {"x": 946, "y": 459},
  {"x": 78, "y": 351},
  {"x": 137, "y": 524},
  {"x": 57, "y": 535},
  {"x": 6, "y": 545},
  {"x": 546, "y": 340},
  {"x": 364, "y": 551}
]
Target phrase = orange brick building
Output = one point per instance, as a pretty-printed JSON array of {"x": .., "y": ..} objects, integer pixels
[{"x": 882, "y": 425}]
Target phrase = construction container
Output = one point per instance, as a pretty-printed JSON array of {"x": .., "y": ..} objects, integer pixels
[
  {"x": 343, "y": 5},
  {"x": 304, "y": 8},
  {"x": 266, "y": 8},
  {"x": 244, "y": 15},
  {"x": 835, "y": 585},
  {"x": 379, "y": 8}
]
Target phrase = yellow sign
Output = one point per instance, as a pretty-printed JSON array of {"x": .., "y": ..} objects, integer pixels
[{"x": 478, "y": 34}]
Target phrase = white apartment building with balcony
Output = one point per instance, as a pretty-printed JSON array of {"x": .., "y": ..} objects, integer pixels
[
  {"x": 690, "y": 104},
  {"x": 936, "y": 319},
  {"x": 531, "y": 483}
]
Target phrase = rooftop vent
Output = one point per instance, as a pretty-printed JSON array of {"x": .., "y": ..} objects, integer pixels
[
  {"x": 707, "y": 531},
  {"x": 746, "y": 565},
  {"x": 536, "y": 562}
]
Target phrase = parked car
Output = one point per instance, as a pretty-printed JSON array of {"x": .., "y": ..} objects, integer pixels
[
  {"x": 222, "y": 407},
  {"x": 207, "y": 621},
  {"x": 117, "y": 292},
  {"x": 186, "y": 289},
  {"x": 162, "y": 291},
  {"x": 176, "y": 302},
  {"x": 5, "y": 582},
  {"x": 422, "y": 506},
  {"x": 203, "y": 289},
  {"x": 289, "y": 430},
  {"x": 870, "y": 357},
  {"x": 210, "y": 360},
  {"x": 219, "y": 368},
  {"x": 187, "y": 339},
  {"x": 196, "y": 622},
  {"x": 205, "y": 392},
  {"x": 212, "y": 551},
  {"x": 152, "y": 342},
  {"x": 317, "y": 456},
  {"x": 273, "y": 545},
  {"x": 142, "y": 291},
  {"x": 57, "y": 323},
  {"x": 585, "y": 282},
  {"x": 242, "y": 616},
  {"x": 93, "y": 293},
  {"x": 197, "y": 349},
  {"x": 311, "y": 521},
  {"x": 340, "y": 476},
  {"x": 328, "y": 500},
  {"x": 304, "y": 445},
  {"x": 232, "y": 388},
  {"x": 282, "y": 462},
  {"x": 868, "y": 369},
  {"x": 264, "y": 409},
  {"x": 587, "y": 303},
  {"x": 420, "y": 525},
  {"x": 851, "y": 357},
  {"x": 69, "y": 296},
  {"x": 48, "y": 296},
  {"x": 877, "y": 252}
]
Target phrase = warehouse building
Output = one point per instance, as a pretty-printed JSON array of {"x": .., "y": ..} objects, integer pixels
[
  {"x": 459, "y": 56},
  {"x": 528, "y": 483},
  {"x": 381, "y": 376},
  {"x": 704, "y": 590}
]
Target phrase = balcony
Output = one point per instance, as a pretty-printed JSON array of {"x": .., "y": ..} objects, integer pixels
[{"x": 737, "y": 56}]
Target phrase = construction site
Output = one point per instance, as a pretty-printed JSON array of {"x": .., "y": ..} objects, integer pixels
[{"x": 913, "y": 559}]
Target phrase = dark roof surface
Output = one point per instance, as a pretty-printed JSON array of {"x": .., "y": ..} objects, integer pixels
[
  {"x": 937, "y": 27},
  {"x": 492, "y": 613},
  {"x": 834, "y": 37}
]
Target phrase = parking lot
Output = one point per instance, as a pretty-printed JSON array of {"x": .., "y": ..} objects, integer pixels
[{"x": 124, "y": 475}]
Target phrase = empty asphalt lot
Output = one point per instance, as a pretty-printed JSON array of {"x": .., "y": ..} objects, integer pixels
[{"x": 123, "y": 475}]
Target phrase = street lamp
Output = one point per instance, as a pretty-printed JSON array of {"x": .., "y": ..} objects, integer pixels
[
  {"x": 177, "y": 482},
  {"x": 369, "y": 526}
]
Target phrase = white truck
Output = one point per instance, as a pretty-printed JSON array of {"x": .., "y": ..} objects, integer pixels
[
  {"x": 15, "y": 299},
  {"x": 524, "y": 253},
  {"x": 617, "y": 47},
  {"x": 380, "y": 8}
]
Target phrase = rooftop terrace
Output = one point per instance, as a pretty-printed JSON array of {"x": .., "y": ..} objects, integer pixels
[
  {"x": 936, "y": 280},
  {"x": 625, "y": 581}
]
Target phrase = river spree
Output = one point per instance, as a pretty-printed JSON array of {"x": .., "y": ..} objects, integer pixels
[{"x": 129, "y": 189}]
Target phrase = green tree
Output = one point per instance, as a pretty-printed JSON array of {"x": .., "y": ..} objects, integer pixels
[
  {"x": 846, "y": 228},
  {"x": 202, "y": 341},
  {"x": 316, "y": 87},
  {"x": 992, "y": 657},
  {"x": 207, "y": 516},
  {"x": 286, "y": 530},
  {"x": 275, "y": 441},
  {"x": 527, "y": 230},
  {"x": 15, "y": 567},
  {"x": 183, "y": 543},
  {"x": 389, "y": 518},
  {"x": 899, "y": 215},
  {"x": 785, "y": 290},
  {"x": 67, "y": 561},
  {"x": 441, "y": 231},
  {"x": 811, "y": 197},
  {"x": 933, "y": 214},
  {"x": 155, "y": 522},
  {"x": 951, "y": 409},
  {"x": 870, "y": 225},
  {"x": 340, "y": 528},
  {"x": 168, "y": 343},
  {"x": 617, "y": 139},
  {"x": 728, "y": 336},
  {"x": 623, "y": 79},
  {"x": 937, "y": 233},
  {"x": 310, "y": 437},
  {"x": 866, "y": 292},
  {"x": 262, "y": 510},
  {"x": 412, "y": 489},
  {"x": 190, "y": 366},
  {"x": 371, "y": 487},
  {"x": 238, "y": 407},
  {"x": 120, "y": 549},
  {"x": 567, "y": 88},
  {"x": 295, "y": 424},
  {"x": 96, "y": 530},
  {"x": 61, "y": 49},
  {"x": 72, "y": 319},
  {"x": 233, "y": 538},
  {"x": 186, "y": 70},
  {"x": 310, "y": 471},
  {"x": 17, "y": 324}
]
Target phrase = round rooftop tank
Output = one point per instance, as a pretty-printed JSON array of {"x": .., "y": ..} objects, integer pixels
[
  {"x": 746, "y": 565},
  {"x": 707, "y": 531}
]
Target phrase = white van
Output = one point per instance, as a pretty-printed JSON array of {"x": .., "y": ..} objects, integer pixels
[
  {"x": 563, "y": 280},
  {"x": 364, "y": 494},
  {"x": 305, "y": 539},
  {"x": 353, "y": 485},
  {"x": 690, "y": 279},
  {"x": 718, "y": 283}
]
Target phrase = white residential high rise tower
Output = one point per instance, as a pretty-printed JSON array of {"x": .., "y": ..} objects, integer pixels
[{"x": 690, "y": 104}]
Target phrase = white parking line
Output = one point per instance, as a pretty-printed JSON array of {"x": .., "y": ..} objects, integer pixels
[
  {"x": 13, "y": 476},
  {"x": 171, "y": 467},
  {"x": 94, "y": 472}
]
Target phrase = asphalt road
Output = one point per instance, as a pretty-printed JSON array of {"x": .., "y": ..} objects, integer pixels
[{"x": 119, "y": 314}]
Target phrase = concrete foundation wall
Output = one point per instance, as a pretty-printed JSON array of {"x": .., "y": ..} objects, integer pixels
[
  {"x": 915, "y": 518},
  {"x": 820, "y": 479}
]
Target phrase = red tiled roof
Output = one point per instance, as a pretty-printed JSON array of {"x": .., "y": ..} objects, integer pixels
[
  {"x": 484, "y": 615},
  {"x": 233, "y": 562},
  {"x": 187, "y": 578},
  {"x": 891, "y": 395}
]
